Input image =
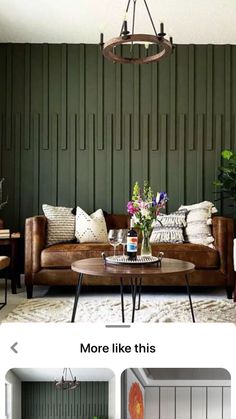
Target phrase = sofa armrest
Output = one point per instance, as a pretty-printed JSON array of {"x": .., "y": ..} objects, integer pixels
[
  {"x": 35, "y": 242},
  {"x": 223, "y": 233}
]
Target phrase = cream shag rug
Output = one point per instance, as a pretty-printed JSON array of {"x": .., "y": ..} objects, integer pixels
[{"x": 108, "y": 310}]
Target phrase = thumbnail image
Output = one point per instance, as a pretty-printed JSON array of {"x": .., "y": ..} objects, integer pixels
[
  {"x": 62, "y": 393},
  {"x": 160, "y": 393}
]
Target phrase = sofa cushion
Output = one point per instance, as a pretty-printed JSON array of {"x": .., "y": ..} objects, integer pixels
[
  {"x": 62, "y": 255},
  {"x": 202, "y": 256}
]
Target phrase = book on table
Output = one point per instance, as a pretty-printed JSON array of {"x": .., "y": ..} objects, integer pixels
[{"x": 5, "y": 233}]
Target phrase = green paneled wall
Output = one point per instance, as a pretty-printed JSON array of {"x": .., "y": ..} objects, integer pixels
[
  {"x": 43, "y": 400},
  {"x": 76, "y": 129}
]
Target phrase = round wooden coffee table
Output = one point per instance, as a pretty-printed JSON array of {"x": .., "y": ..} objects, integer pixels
[{"x": 135, "y": 273}]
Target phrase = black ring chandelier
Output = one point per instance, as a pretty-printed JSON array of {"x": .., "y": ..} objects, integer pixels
[
  {"x": 67, "y": 381},
  {"x": 109, "y": 48}
]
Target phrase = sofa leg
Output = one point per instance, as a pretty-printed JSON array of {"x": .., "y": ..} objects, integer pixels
[
  {"x": 29, "y": 291},
  {"x": 229, "y": 292}
]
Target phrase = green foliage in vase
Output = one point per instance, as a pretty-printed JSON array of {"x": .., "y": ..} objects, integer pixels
[{"x": 226, "y": 180}]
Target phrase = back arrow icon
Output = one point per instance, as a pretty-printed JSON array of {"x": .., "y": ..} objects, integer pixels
[{"x": 13, "y": 347}]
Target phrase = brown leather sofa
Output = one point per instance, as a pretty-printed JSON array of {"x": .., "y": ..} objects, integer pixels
[{"x": 51, "y": 265}]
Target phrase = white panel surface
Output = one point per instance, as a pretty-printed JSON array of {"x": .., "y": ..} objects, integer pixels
[
  {"x": 183, "y": 403},
  {"x": 167, "y": 403},
  {"x": 199, "y": 403},
  {"x": 226, "y": 403},
  {"x": 214, "y": 403},
  {"x": 152, "y": 403}
]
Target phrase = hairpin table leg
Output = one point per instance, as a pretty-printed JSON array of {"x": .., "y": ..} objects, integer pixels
[
  {"x": 134, "y": 293},
  {"x": 122, "y": 299},
  {"x": 77, "y": 294},
  {"x": 139, "y": 293},
  {"x": 190, "y": 299}
]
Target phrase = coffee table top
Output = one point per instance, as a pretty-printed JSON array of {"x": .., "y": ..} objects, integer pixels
[{"x": 97, "y": 267}]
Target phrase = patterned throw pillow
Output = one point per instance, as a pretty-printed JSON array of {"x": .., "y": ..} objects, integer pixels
[
  {"x": 60, "y": 224},
  {"x": 90, "y": 228},
  {"x": 169, "y": 228},
  {"x": 198, "y": 229}
]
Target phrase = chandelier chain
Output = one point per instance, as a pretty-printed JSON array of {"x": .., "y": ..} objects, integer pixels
[
  {"x": 133, "y": 25},
  {"x": 126, "y": 11},
  {"x": 150, "y": 16}
]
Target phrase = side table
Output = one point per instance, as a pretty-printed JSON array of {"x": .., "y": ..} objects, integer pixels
[{"x": 12, "y": 245}]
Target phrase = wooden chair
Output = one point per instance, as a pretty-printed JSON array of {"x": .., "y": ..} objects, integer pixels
[{"x": 4, "y": 263}]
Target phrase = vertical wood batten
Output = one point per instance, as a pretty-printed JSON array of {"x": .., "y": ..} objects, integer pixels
[
  {"x": 127, "y": 140},
  {"x": 45, "y": 118},
  {"x": 109, "y": 147},
  {"x": 63, "y": 130},
  {"x": 234, "y": 130},
  {"x": 17, "y": 168},
  {"x": 9, "y": 97},
  {"x": 136, "y": 119},
  {"x": 182, "y": 142},
  {"x": 27, "y": 98},
  {"x": 55, "y": 141},
  {"x": 163, "y": 147},
  {"x": 100, "y": 103},
  {"x": 154, "y": 107},
  {"x": 228, "y": 89},
  {"x": 218, "y": 149},
  {"x": 1, "y": 142},
  {"x": 72, "y": 142},
  {"x": 173, "y": 101},
  {"x": 36, "y": 142},
  {"x": 145, "y": 146},
  {"x": 118, "y": 103},
  {"x": 91, "y": 139},
  {"x": 82, "y": 143},
  {"x": 209, "y": 140},
  {"x": 200, "y": 166},
  {"x": 191, "y": 97}
]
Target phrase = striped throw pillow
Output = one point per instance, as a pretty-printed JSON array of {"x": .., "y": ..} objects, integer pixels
[
  {"x": 199, "y": 220},
  {"x": 60, "y": 224},
  {"x": 169, "y": 228}
]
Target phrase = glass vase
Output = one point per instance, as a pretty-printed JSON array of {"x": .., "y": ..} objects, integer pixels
[{"x": 146, "y": 249}]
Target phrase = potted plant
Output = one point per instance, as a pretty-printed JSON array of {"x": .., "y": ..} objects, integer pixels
[{"x": 226, "y": 181}]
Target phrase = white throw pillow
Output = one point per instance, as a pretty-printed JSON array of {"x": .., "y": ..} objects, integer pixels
[
  {"x": 90, "y": 228},
  {"x": 199, "y": 220},
  {"x": 60, "y": 224}
]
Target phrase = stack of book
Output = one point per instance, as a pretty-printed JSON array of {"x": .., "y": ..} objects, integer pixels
[{"x": 4, "y": 234}]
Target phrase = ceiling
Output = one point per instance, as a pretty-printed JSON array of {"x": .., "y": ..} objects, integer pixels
[
  {"x": 187, "y": 374},
  {"x": 182, "y": 376},
  {"x": 81, "y": 21},
  {"x": 51, "y": 374}
]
